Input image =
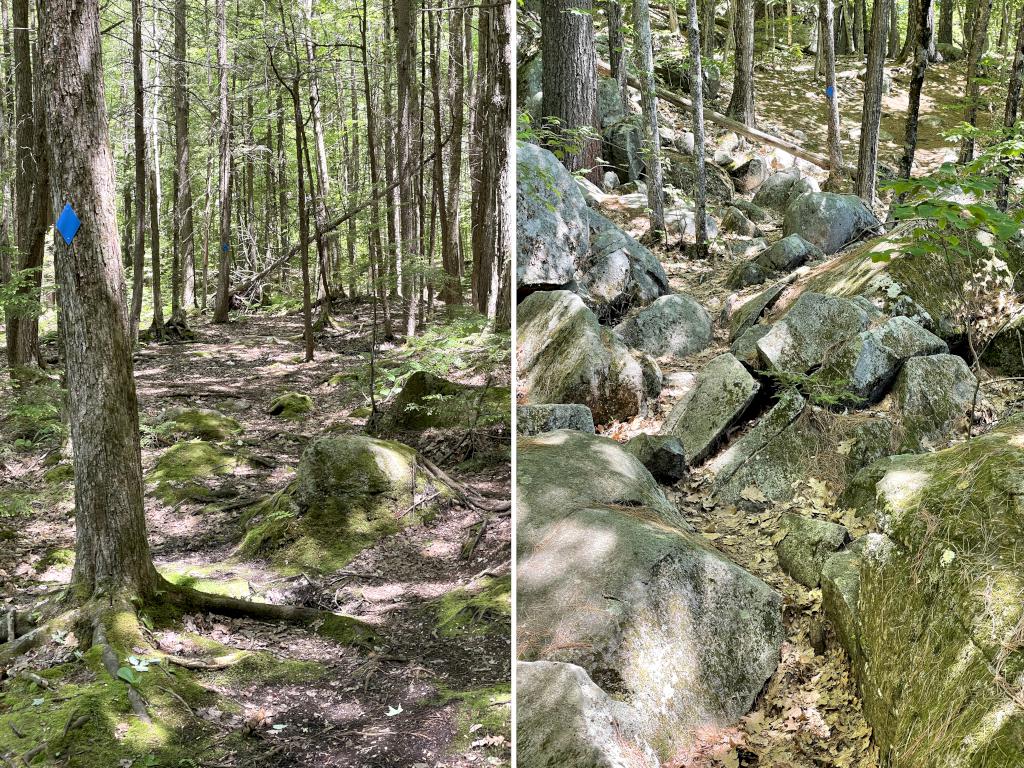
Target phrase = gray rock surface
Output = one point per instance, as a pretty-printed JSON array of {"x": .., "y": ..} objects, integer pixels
[
  {"x": 828, "y": 220},
  {"x": 723, "y": 391},
  {"x": 566, "y": 721},
  {"x": 751, "y": 311},
  {"x": 663, "y": 455},
  {"x": 735, "y": 221},
  {"x": 774, "y": 192},
  {"x": 552, "y": 225},
  {"x": 814, "y": 326},
  {"x": 623, "y": 148},
  {"x": 807, "y": 545},
  {"x": 750, "y": 175},
  {"x": 673, "y": 325},
  {"x": 788, "y": 253},
  {"x": 565, "y": 356},
  {"x": 611, "y": 580},
  {"x": 745, "y": 274},
  {"x": 547, "y": 417},
  {"x": 933, "y": 398}
]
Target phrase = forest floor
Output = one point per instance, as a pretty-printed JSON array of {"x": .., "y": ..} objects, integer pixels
[
  {"x": 421, "y": 695},
  {"x": 809, "y": 713}
]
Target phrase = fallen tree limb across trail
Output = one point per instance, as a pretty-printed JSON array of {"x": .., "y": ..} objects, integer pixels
[{"x": 716, "y": 117}]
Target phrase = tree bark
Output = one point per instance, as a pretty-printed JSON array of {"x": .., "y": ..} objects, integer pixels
[
  {"x": 700, "y": 227},
  {"x": 617, "y": 49},
  {"x": 649, "y": 104},
  {"x": 570, "y": 82},
  {"x": 223, "y": 303},
  {"x": 407, "y": 152},
  {"x": 111, "y": 552},
  {"x": 183, "y": 281},
  {"x": 139, "y": 118},
  {"x": 946, "y": 21},
  {"x": 153, "y": 145},
  {"x": 871, "y": 115},
  {"x": 1012, "y": 109},
  {"x": 741, "y": 103},
  {"x": 451, "y": 251},
  {"x": 835, "y": 149},
  {"x": 972, "y": 87},
  {"x": 917, "y": 76}
]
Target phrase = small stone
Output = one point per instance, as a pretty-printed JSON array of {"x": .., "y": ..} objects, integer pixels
[
  {"x": 808, "y": 543},
  {"x": 663, "y": 455}
]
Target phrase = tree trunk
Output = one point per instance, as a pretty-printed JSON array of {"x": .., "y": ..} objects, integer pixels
[
  {"x": 1004, "y": 26},
  {"x": 946, "y": 21},
  {"x": 871, "y": 115},
  {"x": 835, "y": 149},
  {"x": 139, "y": 124},
  {"x": 183, "y": 279},
  {"x": 451, "y": 253},
  {"x": 307, "y": 308},
  {"x": 153, "y": 145},
  {"x": 697, "y": 96},
  {"x": 1012, "y": 110},
  {"x": 649, "y": 102},
  {"x": 223, "y": 303},
  {"x": 29, "y": 179},
  {"x": 111, "y": 552},
  {"x": 407, "y": 152},
  {"x": 570, "y": 82},
  {"x": 617, "y": 50},
  {"x": 893, "y": 48},
  {"x": 916, "y": 85},
  {"x": 741, "y": 104},
  {"x": 972, "y": 88}
]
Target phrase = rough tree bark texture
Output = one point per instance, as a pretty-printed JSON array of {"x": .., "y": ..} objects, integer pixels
[
  {"x": 112, "y": 554},
  {"x": 183, "y": 278},
  {"x": 451, "y": 252},
  {"x": 1012, "y": 108},
  {"x": 407, "y": 152},
  {"x": 649, "y": 104},
  {"x": 916, "y": 85},
  {"x": 139, "y": 124},
  {"x": 492, "y": 231},
  {"x": 946, "y": 21},
  {"x": 828, "y": 54},
  {"x": 741, "y": 103},
  {"x": 30, "y": 185},
  {"x": 700, "y": 226},
  {"x": 972, "y": 88},
  {"x": 570, "y": 80},
  {"x": 617, "y": 49},
  {"x": 871, "y": 115},
  {"x": 223, "y": 304}
]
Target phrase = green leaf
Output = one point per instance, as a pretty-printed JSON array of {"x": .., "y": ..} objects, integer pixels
[{"x": 126, "y": 674}]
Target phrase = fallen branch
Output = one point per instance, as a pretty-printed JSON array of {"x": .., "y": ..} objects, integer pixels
[{"x": 716, "y": 117}]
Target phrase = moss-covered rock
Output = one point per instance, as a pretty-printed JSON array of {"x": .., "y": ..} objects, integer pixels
[
  {"x": 484, "y": 711},
  {"x": 807, "y": 545},
  {"x": 349, "y": 492},
  {"x": 202, "y": 424},
  {"x": 1004, "y": 352},
  {"x": 933, "y": 397},
  {"x": 430, "y": 402},
  {"x": 290, "y": 405},
  {"x": 185, "y": 470},
  {"x": 941, "y": 613},
  {"x": 484, "y": 607},
  {"x": 610, "y": 579}
]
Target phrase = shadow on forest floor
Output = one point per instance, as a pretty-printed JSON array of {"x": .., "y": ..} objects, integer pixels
[{"x": 424, "y": 695}]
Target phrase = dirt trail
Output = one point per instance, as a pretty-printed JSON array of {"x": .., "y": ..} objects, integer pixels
[{"x": 420, "y": 696}]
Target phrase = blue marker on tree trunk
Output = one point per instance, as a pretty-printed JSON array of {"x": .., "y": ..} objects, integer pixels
[
  {"x": 68, "y": 223},
  {"x": 830, "y": 92},
  {"x": 224, "y": 247}
]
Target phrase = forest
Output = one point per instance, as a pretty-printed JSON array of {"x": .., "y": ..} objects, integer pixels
[
  {"x": 769, "y": 357},
  {"x": 255, "y": 416}
]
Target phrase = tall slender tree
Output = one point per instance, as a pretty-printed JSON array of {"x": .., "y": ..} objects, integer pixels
[
  {"x": 828, "y": 52},
  {"x": 700, "y": 227},
  {"x": 741, "y": 103},
  {"x": 972, "y": 86},
  {"x": 183, "y": 272},
  {"x": 1012, "y": 109},
  {"x": 916, "y": 86},
  {"x": 649, "y": 103},
  {"x": 406, "y": 16},
  {"x": 224, "y": 244},
  {"x": 871, "y": 115}
]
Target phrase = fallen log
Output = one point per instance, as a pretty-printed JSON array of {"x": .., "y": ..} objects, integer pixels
[{"x": 716, "y": 117}]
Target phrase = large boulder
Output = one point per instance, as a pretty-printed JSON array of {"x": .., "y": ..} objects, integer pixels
[
  {"x": 750, "y": 312},
  {"x": 663, "y": 455},
  {"x": 828, "y": 220},
  {"x": 609, "y": 101},
  {"x": 736, "y": 221},
  {"x": 673, "y": 325},
  {"x": 774, "y": 192},
  {"x": 430, "y": 402},
  {"x": 867, "y": 364},
  {"x": 565, "y": 356},
  {"x": 788, "y": 253},
  {"x": 610, "y": 580},
  {"x": 813, "y": 327},
  {"x": 682, "y": 175},
  {"x": 940, "y": 612},
  {"x": 933, "y": 397},
  {"x": 807, "y": 545},
  {"x": 750, "y": 175},
  {"x": 547, "y": 417},
  {"x": 565, "y": 721},
  {"x": 927, "y": 287},
  {"x": 618, "y": 273},
  {"x": 723, "y": 391},
  {"x": 552, "y": 225},
  {"x": 746, "y": 274}
]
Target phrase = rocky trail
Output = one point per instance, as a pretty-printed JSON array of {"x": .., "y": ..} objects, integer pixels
[
  {"x": 795, "y": 548},
  {"x": 262, "y": 484}
]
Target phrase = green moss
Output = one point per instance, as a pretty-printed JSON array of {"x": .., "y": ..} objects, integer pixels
[
  {"x": 202, "y": 424},
  {"x": 230, "y": 587},
  {"x": 266, "y": 669},
  {"x": 474, "y": 612},
  {"x": 59, "y": 475},
  {"x": 429, "y": 402},
  {"x": 347, "y": 630},
  {"x": 182, "y": 467},
  {"x": 489, "y": 707},
  {"x": 291, "y": 405},
  {"x": 59, "y": 558}
]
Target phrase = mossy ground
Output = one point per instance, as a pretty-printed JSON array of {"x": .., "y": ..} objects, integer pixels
[
  {"x": 183, "y": 470},
  {"x": 200, "y": 423},
  {"x": 291, "y": 405},
  {"x": 480, "y": 712},
  {"x": 483, "y": 608}
]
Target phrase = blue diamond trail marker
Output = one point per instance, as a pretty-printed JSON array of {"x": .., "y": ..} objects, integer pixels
[
  {"x": 829, "y": 92},
  {"x": 68, "y": 223}
]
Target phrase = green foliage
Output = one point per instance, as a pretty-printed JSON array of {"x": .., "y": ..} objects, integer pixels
[
  {"x": 549, "y": 133},
  {"x": 33, "y": 414},
  {"x": 19, "y": 296},
  {"x": 817, "y": 387}
]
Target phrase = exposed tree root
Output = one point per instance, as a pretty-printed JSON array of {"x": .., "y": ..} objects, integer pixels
[
  {"x": 221, "y": 662},
  {"x": 193, "y": 600},
  {"x": 466, "y": 495},
  {"x": 112, "y": 664}
]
